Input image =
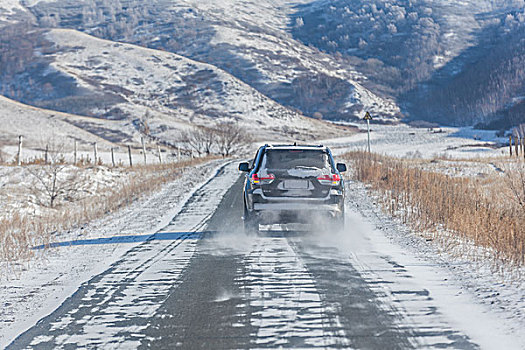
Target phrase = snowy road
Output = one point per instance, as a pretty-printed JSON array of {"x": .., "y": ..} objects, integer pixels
[{"x": 201, "y": 283}]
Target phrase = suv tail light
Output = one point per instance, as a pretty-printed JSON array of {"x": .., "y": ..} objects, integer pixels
[
  {"x": 334, "y": 179},
  {"x": 264, "y": 180}
]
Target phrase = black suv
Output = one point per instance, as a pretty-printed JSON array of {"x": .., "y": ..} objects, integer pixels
[{"x": 293, "y": 184}]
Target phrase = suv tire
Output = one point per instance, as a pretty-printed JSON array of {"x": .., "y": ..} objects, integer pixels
[{"x": 251, "y": 224}]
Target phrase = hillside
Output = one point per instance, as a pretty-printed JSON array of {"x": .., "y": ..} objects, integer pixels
[
  {"x": 484, "y": 85},
  {"x": 149, "y": 91},
  {"x": 249, "y": 40},
  {"x": 11, "y": 11},
  {"x": 455, "y": 63},
  {"x": 41, "y": 127},
  {"x": 458, "y": 63}
]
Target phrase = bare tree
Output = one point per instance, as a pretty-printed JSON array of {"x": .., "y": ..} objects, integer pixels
[
  {"x": 53, "y": 180},
  {"x": 231, "y": 138},
  {"x": 200, "y": 139}
]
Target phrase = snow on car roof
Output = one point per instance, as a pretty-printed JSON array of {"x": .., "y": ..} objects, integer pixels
[{"x": 297, "y": 147}]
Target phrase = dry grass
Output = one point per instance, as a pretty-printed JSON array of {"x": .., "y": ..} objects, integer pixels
[
  {"x": 488, "y": 211},
  {"x": 19, "y": 233}
]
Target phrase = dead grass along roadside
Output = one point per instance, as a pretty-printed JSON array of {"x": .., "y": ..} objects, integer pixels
[
  {"x": 486, "y": 210},
  {"x": 22, "y": 229}
]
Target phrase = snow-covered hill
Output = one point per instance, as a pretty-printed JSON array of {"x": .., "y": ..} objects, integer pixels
[
  {"x": 41, "y": 127},
  {"x": 167, "y": 92},
  {"x": 257, "y": 35},
  {"x": 454, "y": 62},
  {"x": 126, "y": 91},
  {"x": 326, "y": 59},
  {"x": 249, "y": 39}
]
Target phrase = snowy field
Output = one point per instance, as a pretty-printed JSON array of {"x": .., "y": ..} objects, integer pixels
[
  {"x": 457, "y": 152},
  {"x": 405, "y": 141},
  {"x": 40, "y": 127}
]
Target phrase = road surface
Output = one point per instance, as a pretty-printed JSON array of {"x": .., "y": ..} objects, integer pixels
[{"x": 202, "y": 283}]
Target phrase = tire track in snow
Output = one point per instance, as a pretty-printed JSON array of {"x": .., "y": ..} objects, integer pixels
[
  {"x": 113, "y": 309},
  {"x": 287, "y": 308}
]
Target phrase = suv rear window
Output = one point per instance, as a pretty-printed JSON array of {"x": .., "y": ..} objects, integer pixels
[{"x": 290, "y": 159}]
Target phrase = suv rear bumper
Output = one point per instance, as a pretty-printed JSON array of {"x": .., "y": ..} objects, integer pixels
[
  {"x": 285, "y": 214},
  {"x": 332, "y": 196},
  {"x": 296, "y": 209}
]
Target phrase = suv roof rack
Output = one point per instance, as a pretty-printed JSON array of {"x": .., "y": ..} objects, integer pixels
[{"x": 294, "y": 145}]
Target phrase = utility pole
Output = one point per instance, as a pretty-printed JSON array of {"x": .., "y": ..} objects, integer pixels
[
  {"x": 160, "y": 155},
  {"x": 523, "y": 146},
  {"x": 368, "y": 118}
]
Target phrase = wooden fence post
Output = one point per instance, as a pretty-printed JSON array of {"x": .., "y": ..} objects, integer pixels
[
  {"x": 19, "y": 153},
  {"x": 521, "y": 146},
  {"x": 112, "y": 157},
  {"x": 160, "y": 155},
  {"x": 130, "y": 159},
  {"x": 45, "y": 155},
  {"x": 516, "y": 145},
  {"x": 178, "y": 153},
  {"x": 143, "y": 149},
  {"x": 95, "y": 153},
  {"x": 75, "y": 153},
  {"x": 510, "y": 145}
]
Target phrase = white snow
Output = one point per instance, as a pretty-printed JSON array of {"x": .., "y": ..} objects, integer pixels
[
  {"x": 233, "y": 22},
  {"x": 47, "y": 282},
  {"x": 10, "y": 5},
  {"x": 291, "y": 306},
  {"x": 31, "y": 3},
  {"x": 387, "y": 252},
  {"x": 8, "y": 8},
  {"x": 40, "y": 127},
  {"x": 21, "y": 193},
  {"x": 149, "y": 77},
  {"x": 304, "y": 173},
  {"x": 435, "y": 294},
  {"x": 404, "y": 141}
]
